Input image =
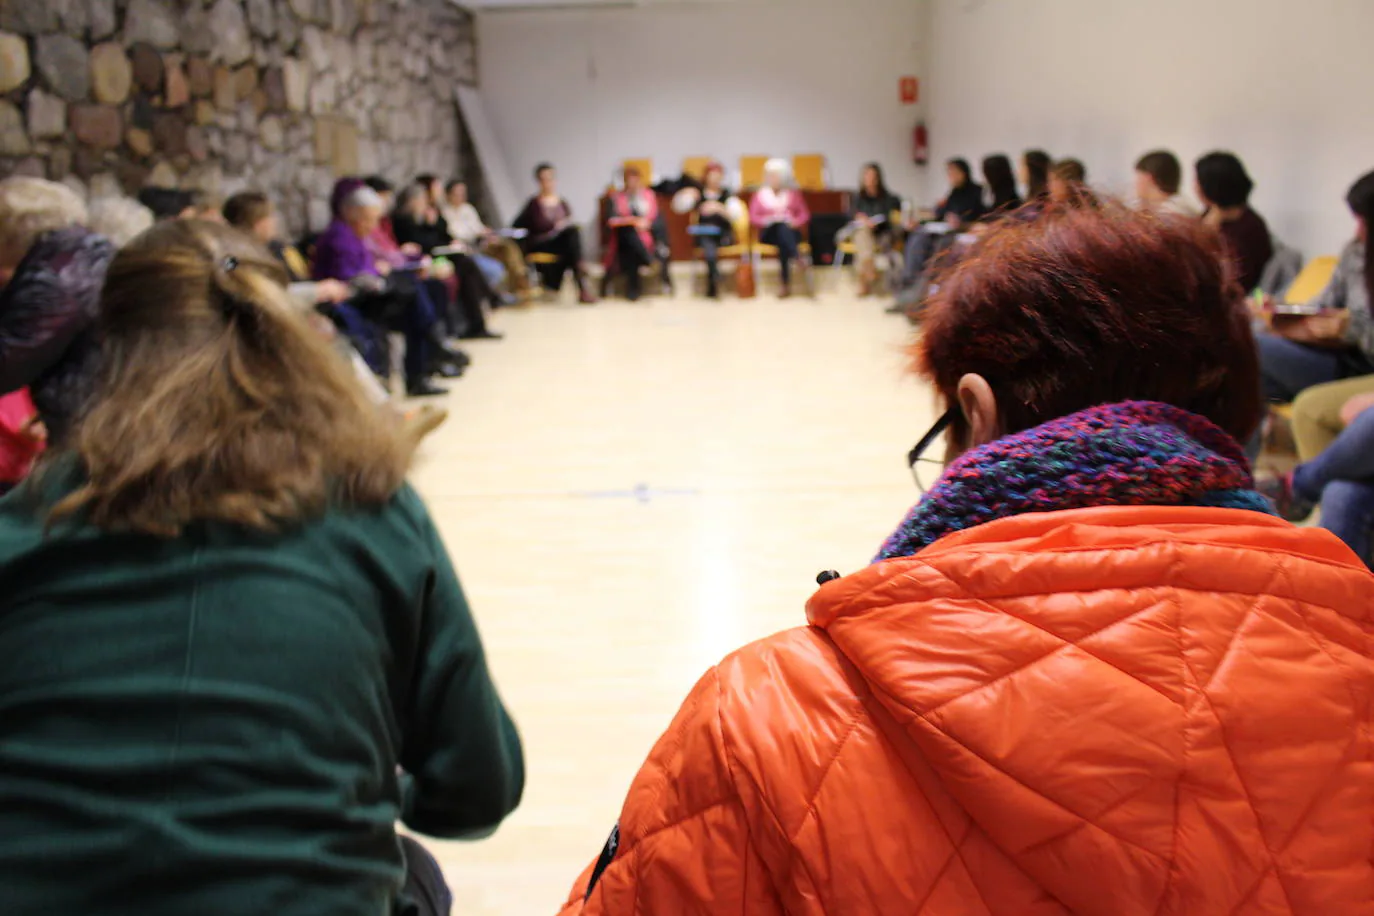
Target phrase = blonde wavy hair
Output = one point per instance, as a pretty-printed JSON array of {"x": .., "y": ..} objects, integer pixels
[
  {"x": 30, "y": 207},
  {"x": 217, "y": 401}
]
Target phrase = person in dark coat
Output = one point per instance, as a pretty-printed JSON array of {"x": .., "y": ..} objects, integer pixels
[
  {"x": 415, "y": 222},
  {"x": 960, "y": 208},
  {"x": 52, "y": 270},
  {"x": 547, "y": 218}
]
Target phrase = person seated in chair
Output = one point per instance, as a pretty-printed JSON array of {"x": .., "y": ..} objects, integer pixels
[
  {"x": 961, "y": 207},
  {"x": 547, "y": 218},
  {"x": 717, "y": 212},
  {"x": 779, "y": 212},
  {"x": 487, "y": 245},
  {"x": 252, "y": 213},
  {"x": 630, "y": 222},
  {"x": 1298, "y": 352},
  {"x": 870, "y": 224},
  {"x": 1158, "y": 176},
  {"x": 416, "y": 223},
  {"x": 382, "y": 296},
  {"x": 1000, "y": 181},
  {"x": 1224, "y": 188}
]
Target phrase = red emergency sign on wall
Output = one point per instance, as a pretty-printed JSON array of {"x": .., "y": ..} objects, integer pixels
[{"x": 910, "y": 90}]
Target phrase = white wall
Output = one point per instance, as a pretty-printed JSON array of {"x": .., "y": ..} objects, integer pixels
[
  {"x": 586, "y": 89},
  {"x": 1288, "y": 85}
]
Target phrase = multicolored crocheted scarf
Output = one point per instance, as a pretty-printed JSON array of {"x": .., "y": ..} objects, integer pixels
[{"x": 1136, "y": 453}]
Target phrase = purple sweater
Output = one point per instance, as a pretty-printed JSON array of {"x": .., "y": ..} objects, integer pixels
[{"x": 341, "y": 255}]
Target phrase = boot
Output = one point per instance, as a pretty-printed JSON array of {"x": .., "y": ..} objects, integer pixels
[
  {"x": 868, "y": 275},
  {"x": 634, "y": 285}
]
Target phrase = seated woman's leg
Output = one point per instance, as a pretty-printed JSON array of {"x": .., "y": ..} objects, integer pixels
[
  {"x": 1348, "y": 513},
  {"x": 473, "y": 290},
  {"x": 918, "y": 245},
  {"x": 865, "y": 258},
  {"x": 418, "y": 323},
  {"x": 569, "y": 243},
  {"x": 784, "y": 238},
  {"x": 631, "y": 255},
  {"x": 710, "y": 253},
  {"x": 1317, "y": 413},
  {"x": 508, "y": 253},
  {"x": 1288, "y": 368},
  {"x": 425, "y": 892},
  {"x": 493, "y": 271},
  {"x": 1349, "y": 457}
]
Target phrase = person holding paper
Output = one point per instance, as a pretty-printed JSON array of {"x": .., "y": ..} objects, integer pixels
[
  {"x": 718, "y": 211},
  {"x": 780, "y": 214},
  {"x": 871, "y": 223},
  {"x": 1337, "y": 340},
  {"x": 633, "y": 212},
  {"x": 466, "y": 225},
  {"x": 548, "y": 220}
]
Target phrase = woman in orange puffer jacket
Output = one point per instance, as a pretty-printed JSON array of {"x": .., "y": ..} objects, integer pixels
[{"x": 1089, "y": 673}]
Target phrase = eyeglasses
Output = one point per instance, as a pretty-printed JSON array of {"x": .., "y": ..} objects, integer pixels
[{"x": 916, "y": 459}]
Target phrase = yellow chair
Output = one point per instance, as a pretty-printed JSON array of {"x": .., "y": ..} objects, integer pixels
[
  {"x": 695, "y": 167},
  {"x": 644, "y": 166},
  {"x": 535, "y": 260},
  {"x": 751, "y": 170},
  {"x": 851, "y": 250},
  {"x": 740, "y": 226},
  {"x": 808, "y": 170},
  {"x": 1308, "y": 285},
  {"x": 761, "y": 251}
]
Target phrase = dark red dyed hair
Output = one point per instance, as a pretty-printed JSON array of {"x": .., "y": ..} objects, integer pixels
[{"x": 1082, "y": 307}]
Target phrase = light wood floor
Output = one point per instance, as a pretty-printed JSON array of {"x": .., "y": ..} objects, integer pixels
[{"x": 629, "y": 493}]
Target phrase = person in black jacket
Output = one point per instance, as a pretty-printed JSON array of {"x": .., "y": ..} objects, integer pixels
[
  {"x": 870, "y": 223},
  {"x": 51, "y": 271},
  {"x": 1001, "y": 182},
  {"x": 960, "y": 208},
  {"x": 417, "y": 222}
]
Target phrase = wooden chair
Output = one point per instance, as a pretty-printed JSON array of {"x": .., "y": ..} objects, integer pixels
[
  {"x": 535, "y": 260},
  {"x": 694, "y": 167},
  {"x": 1311, "y": 280},
  {"x": 742, "y": 231},
  {"x": 852, "y": 250},
  {"x": 751, "y": 171},
  {"x": 808, "y": 170},
  {"x": 644, "y": 166},
  {"x": 760, "y": 251}
]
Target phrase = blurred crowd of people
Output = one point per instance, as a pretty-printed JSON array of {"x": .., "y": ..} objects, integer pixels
[{"x": 1089, "y": 671}]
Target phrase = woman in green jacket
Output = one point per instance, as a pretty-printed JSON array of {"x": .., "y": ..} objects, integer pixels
[{"x": 236, "y": 652}]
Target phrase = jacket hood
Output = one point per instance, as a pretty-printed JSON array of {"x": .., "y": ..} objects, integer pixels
[{"x": 1138, "y": 706}]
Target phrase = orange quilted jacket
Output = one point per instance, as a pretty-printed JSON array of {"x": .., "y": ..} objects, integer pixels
[{"x": 1109, "y": 712}]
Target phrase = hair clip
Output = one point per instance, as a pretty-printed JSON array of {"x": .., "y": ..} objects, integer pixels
[{"x": 231, "y": 263}]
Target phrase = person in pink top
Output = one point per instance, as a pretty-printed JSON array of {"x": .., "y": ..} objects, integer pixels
[
  {"x": 780, "y": 215},
  {"x": 630, "y": 222}
]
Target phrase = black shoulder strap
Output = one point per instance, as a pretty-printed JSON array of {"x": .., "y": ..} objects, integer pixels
[{"x": 607, "y": 857}]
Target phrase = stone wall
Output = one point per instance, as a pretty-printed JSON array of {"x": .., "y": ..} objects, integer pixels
[{"x": 281, "y": 96}]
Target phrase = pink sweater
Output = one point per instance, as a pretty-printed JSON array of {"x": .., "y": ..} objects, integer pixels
[
  {"x": 17, "y": 451},
  {"x": 769, "y": 207}
]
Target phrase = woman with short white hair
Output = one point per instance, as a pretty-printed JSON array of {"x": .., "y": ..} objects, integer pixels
[
  {"x": 51, "y": 271},
  {"x": 120, "y": 219},
  {"x": 779, "y": 213}
]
